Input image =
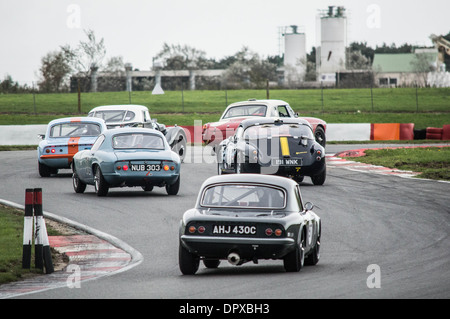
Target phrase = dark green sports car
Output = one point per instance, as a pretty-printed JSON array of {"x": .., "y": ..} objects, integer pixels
[{"x": 248, "y": 217}]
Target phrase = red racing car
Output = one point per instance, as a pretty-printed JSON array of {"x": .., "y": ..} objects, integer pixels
[{"x": 214, "y": 133}]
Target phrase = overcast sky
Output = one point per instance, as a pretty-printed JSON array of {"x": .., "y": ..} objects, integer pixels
[{"x": 137, "y": 29}]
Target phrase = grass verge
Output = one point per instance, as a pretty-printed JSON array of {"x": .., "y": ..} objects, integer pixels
[
  {"x": 432, "y": 162},
  {"x": 11, "y": 243}
]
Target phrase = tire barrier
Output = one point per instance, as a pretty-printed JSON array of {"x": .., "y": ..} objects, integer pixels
[
  {"x": 434, "y": 133},
  {"x": 42, "y": 252},
  {"x": 406, "y": 131},
  {"x": 446, "y": 132},
  {"x": 27, "y": 134}
]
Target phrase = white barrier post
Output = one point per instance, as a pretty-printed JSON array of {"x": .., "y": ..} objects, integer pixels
[
  {"x": 27, "y": 229},
  {"x": 43, "y": 254}
]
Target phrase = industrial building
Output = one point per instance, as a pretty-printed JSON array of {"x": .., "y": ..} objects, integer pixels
[{"x": 388, "y": 70}]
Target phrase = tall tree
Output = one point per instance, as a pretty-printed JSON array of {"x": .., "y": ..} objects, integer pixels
[
  {"x": 249, "y": 69},
  {"x": 54, "y": 72},
  {"x": 182, "y": 57},
  {"x": 8, "y": 85},
  {"x": 87, "y": 57},
  {"x": 422, "y": 64}
]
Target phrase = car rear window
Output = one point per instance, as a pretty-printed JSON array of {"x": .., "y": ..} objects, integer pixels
[
  {"x": 138, "y": 141},
  {"x": 75, "y": 129},
  {"x": 276, "y": 130},
  {"x": 114, "y": 116},
  {"x": 246, "y": 110},
  {"x": 244, "y": 196}
]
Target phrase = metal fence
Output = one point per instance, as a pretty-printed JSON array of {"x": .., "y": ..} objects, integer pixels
[{"x": 322, "y": 100}]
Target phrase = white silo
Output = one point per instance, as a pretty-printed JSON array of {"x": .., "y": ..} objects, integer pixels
[
  {"x": 294, "y": 55},
  {"x": 333, "y": 33}
]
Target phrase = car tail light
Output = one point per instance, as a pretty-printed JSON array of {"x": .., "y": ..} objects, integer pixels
[
  {"x": 192, "y": 229},
  {"x": 53, "y": 150},
  {"x": 47, "y": 151},
  {"x": 269, "y": 231},
  {"x": 172, "y": 168},
  {"x": 125, "y": 167},
  {"x": 166, "y": 167},
  {"x": 278, "y": 232},
  {"x": 201, "y": 229}
]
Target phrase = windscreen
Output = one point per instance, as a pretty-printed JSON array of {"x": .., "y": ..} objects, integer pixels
[
  {"x": 138, "y": 141},
  {"x": 114, "y": 116},
  {"x": 276, "y": 130},
  {"x": 75, "y": 129},
  {"x": 246, "y": 110},
  {"x": 243, "y": 196}
]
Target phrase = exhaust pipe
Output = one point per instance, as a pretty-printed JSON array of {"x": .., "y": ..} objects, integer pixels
[{"x": 234, "y": 258}]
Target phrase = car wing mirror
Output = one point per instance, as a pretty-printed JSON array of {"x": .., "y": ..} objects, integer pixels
[
  {"x": 309, "y": 206},
  {"x": 41, "y": 136}
]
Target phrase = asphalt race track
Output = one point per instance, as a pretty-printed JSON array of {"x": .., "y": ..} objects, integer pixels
[{"x": 401, "y": 225}]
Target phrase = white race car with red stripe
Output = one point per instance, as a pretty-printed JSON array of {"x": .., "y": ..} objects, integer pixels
[{"x": 63, "y": 139}]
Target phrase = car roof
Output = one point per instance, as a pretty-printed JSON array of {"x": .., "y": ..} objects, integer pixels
[
  {"x": 259, "y": 102},
  {"x": 132, "y": 130},
  {"x": 271, "y": 120},
  {"x": 273, "y": 180},
  {"x": 76, "y": 119},
  {"x": 130, "y": 107}
]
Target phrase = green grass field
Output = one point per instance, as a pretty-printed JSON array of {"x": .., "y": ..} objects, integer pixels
[
  {"x": 432, "y": 162},
  {"x": 11, "y": 246},
  {"x": 430, "y": 107}
]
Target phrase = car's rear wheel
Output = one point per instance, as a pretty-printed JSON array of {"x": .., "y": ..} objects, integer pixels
[
  {"x": 314, "y": 257},
  {"x": 101, "y": 185},
  {"x": 295, "y": 260},
  {"x": 44, "y": 170},
  {"x": 78, "y": 185},
  {"x": 320, "y": 136},
  {"x": 174, "y": 188},
  {"x": 319, "y": 179},
  {"x": 188, "y": 262},
  {"x": 180, "y": 147}
]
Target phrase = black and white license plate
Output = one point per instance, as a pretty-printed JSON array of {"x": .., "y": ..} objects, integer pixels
[
  {"x": 234, "y": 230},
  {"x": 286, "y": 162},
  {"x": 145, "y": 167}
]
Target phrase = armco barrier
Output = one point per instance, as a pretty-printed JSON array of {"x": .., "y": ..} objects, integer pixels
[
  {"x": 28, "y": 134},
  {"x": 348, "y": 132}
]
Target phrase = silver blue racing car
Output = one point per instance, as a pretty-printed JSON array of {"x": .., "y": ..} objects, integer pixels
[
  {"x": 63, "y": 139},
  {"x": 127, "y": 157}
]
